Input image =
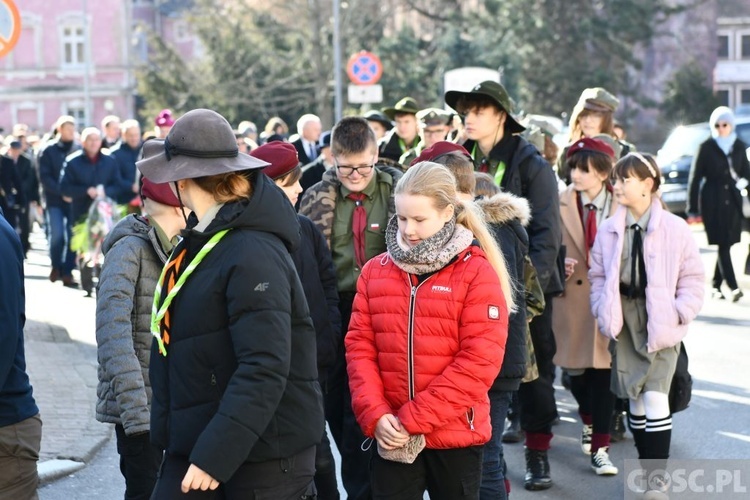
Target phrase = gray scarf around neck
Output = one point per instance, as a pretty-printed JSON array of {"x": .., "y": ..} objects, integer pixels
[{"x": 431, "y": 254}]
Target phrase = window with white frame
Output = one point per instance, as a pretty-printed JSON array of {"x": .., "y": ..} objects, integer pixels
[
  {"x": 745, "y": 46},
  {"x": 77, "y": 111},
  {"x": 28, "y": 52},
  {"x": 723, "y": 50},
  {"x": 744, "y": 96},
  {"x": 724, "y": 97},
  {"x": 73, "y": 45}
]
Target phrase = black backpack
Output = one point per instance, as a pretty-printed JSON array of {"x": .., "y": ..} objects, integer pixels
[{"x": 682, "y": 383}]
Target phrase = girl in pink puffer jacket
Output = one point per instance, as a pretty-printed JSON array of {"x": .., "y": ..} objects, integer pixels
[{"x": 647, "y": 284}]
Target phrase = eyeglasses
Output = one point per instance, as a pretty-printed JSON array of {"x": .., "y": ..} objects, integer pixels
[
  {"x": 721, "y": 125},
  {"x": 348, "y": 170}
]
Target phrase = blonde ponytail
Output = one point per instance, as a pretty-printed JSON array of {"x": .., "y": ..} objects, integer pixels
[{"x": 436, "y": 182}]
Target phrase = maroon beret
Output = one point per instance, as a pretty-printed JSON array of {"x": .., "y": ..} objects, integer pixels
[
  {"x": 591, "y": 144},
  {"x": 164, "y": 118},
  {"x": 439, "y": 149},
  {"x": 160, "y": 193},
  {"x": 282, "y": 157}
]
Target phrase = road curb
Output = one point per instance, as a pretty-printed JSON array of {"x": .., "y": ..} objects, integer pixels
[
  {"x": 62, "y": 466},
  {"x": 52, "y": 470}
]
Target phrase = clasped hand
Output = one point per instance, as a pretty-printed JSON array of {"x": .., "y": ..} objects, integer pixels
[{"x": 389, "y": 432}]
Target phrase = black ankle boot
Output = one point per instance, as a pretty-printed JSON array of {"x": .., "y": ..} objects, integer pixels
[
  {"x": 513, "y": 433},
  {"x": 537, "y": 470}
]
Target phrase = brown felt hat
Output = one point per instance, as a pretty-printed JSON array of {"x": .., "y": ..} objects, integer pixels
[{"x": 201, "y": 143}]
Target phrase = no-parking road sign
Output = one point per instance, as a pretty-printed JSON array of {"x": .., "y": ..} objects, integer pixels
[
  {"x": 10, "y": 26},
  {"x": 364, "y": 68}
]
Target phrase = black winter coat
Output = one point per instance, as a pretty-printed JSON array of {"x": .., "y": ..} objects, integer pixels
[
  {"x": 29, "y": 179},
  {"x": 506, "y": 216},
  {"x": 318, "y": 276},
  {"x": 720, "y": 202},
  {"x": 239, "y": 382},
  {"x": 390, "y": 146},
  {"x": 11, "y": 184},
  {"x": 125, "y": 156},
  {"x": 51, "y": 161},
  {"x": 529, "y": 176}
]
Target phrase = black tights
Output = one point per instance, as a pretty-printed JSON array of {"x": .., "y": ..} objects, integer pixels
[
  {"x": 591, "y": 390},
  {"x": 724, "y": 270}
]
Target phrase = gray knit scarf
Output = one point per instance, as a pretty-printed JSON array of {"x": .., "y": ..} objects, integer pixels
[{"x": 431, "y": 254}]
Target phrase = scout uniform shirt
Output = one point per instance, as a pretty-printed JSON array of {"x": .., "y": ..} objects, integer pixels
[{"x": 377, "y": 194}]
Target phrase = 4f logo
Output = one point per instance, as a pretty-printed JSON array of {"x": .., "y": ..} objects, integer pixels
[{"x": 261, "y": 287}]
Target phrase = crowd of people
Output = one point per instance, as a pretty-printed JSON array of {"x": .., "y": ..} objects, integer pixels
[{"x": 412, "y": 280}]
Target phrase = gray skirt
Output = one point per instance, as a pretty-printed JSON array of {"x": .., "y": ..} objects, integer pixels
[{"x": 634, "y": 369}]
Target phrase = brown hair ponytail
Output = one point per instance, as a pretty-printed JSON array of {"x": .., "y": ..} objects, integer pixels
[{"x": 225, "y": 188}]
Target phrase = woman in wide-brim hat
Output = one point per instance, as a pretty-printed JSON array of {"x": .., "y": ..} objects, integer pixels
[{"x": 236, "y": 402}]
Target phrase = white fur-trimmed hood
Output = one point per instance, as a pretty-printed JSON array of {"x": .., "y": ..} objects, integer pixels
[{"x": 504, "y": 207}]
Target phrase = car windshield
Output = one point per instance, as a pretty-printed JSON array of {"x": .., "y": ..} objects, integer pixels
[
  {"x": 683, "y": 141},
  {"x": 743, "y": 132}
]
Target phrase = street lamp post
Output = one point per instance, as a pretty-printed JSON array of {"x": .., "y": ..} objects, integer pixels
[
  {"x": 337, "y": 61},
  {"x": 86, "y": 67}
]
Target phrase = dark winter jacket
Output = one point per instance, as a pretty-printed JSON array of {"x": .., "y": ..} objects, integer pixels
[
  {"x": 125, "y": 156},
  {"x": 720, "y": 202},
  {"x": 529, "y": 176},
  {"x": 79, "y": 174},
  {"x": 312, "y": 174},
  {"x": 51, "y": 161},
  {"x": 239, "y": 382},
  {"x": 133, "y": 262},
  {"x": 16, "y": 398},
  {"x": 316, "y": 272},
  {"x": 29, "y": 179},
  {"x": 506, "y": 216},
  {"x": 390, "y": 146},
  {"x": 11, "y": 186}
]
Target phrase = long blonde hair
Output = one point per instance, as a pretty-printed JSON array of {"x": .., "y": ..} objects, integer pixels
[{"x": 436, "y": 182}]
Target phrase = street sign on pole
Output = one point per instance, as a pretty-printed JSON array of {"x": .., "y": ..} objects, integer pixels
[
  {"x": 362, "y": 94},
  {"x": 10, "y": 26},
  {"x": 364, "y": 68}
]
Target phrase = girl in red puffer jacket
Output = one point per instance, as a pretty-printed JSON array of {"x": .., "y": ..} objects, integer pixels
[{"x": 426, "y": 341}]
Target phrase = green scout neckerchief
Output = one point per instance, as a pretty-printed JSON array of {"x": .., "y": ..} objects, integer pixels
[
  {"x": 159, "y": 311},
  {"x": 499, "y": 173}
]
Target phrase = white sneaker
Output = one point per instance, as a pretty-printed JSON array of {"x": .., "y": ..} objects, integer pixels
[
  {"x": 586, "y": 438},
  {"x": 601, "y": 463}
]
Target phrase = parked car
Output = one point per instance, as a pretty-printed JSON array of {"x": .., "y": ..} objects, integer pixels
[{"x": 676, "y": 156}]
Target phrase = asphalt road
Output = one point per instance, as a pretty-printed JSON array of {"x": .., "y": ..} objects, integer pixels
[{"x": 716, "y": 426}]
